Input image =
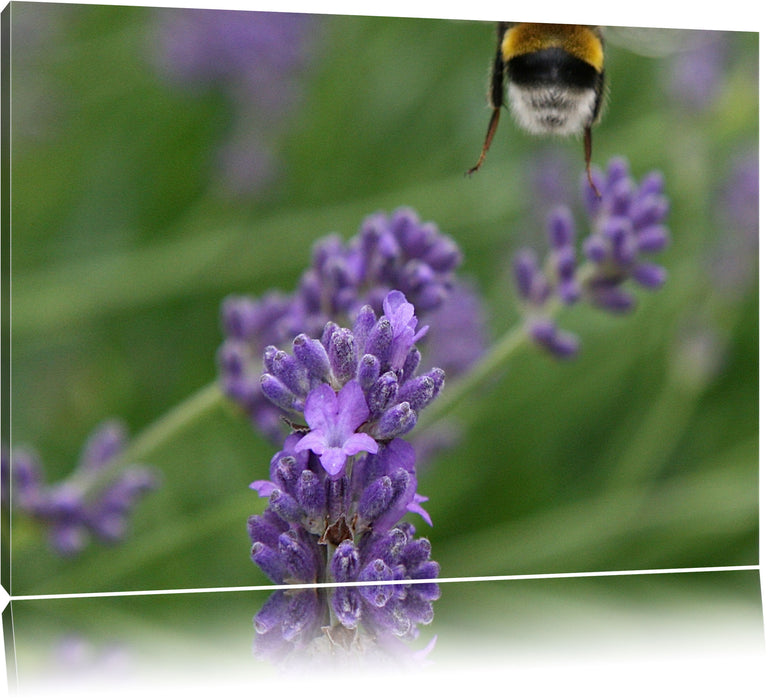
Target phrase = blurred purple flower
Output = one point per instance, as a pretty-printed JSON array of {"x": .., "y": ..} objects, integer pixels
[
  {"x": 694, "y": 75},
  {"x": 259, "y": 60},
  {"x": 86, "y": 503},
  {"x": 626, "y": 226},
  {"x": 734, "y": 257}
]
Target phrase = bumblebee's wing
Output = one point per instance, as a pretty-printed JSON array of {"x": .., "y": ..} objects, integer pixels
[{"x": 657, "y": 42}]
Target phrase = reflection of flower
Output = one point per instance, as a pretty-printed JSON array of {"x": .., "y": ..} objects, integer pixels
[
  {"x": 626, "y": 224},
  {"x": 386, "y": 608},
  {"x": 342, "y": 483},
  {"x": 80, "y": 505},
  {"x": 258, "y": 59},
  {"x": 363, "y": 619}
]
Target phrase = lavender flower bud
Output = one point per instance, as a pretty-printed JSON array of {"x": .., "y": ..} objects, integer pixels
[
  {"x": 546, "y": 333},
  {"x": 383, "y": 393},
  {"x": 311, "y": 496},
  {"x": 280, "y": 395},
  {"x": 269, "y": 561},
  {"x": 346, "y": 605},
  {"x": 417, "y": 392},
  {"x": 345, "y": 562},
  {"x": 362, "y": 326},
  {"x": 299, "y": 560},
  {"x": 377, "y": 596},
  {"x": 302, "y": 609},
  {"x": 379, "y": 341},
  {"x": 312, "y": 356},
  {"x": 342, "y": 355},
  {"x": 649, "y": 275},
  {"x": 368, "y": 371},
  {"x": 396, "y": 421},
  {"x": 286, "y": 506},
  {"x": 375, "y": 499},
  {"x": 531, "y": 283}
]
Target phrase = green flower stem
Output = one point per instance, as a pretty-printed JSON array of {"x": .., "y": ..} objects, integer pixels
[
  {"x": 454, "y": 393},
  {"x": 161, "y": 431},
  {"x": 515, "y": 339}
]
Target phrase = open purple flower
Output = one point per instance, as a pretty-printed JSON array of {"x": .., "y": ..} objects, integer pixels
[
  {"x": 333, "y": 419},
  {"x": 401, "y": 315}
]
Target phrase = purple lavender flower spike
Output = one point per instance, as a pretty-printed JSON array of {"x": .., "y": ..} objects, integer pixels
[
  {"x": 627, "y": 222},
  {"x": 80, "y": 507},
  {"x": 339, "y": 488}
]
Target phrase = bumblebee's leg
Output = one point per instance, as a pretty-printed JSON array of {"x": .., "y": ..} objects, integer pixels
[
  {"x": 492, "y": 126},
  {"x": 495, "y": 96},
  {"x": 588, "y": 156}
]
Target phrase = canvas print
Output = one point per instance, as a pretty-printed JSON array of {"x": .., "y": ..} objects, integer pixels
[{"x": 348, "y": 338}]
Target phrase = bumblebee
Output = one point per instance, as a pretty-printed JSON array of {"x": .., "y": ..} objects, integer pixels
[{"x": 554, "y": 79}]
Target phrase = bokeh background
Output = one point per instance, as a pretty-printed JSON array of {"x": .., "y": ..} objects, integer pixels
[{"x": 155, "y": 170}]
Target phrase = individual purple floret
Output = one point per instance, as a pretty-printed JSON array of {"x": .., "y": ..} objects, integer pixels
[
  {"x": 85, "y": 504},
  {"x": 391, "y": 252},
  {"x": 627, "y": 223}
]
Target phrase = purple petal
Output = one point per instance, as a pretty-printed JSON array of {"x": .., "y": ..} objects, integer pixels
[
  {"x": 320, "y": 409},
  {"x": 315, "y": 441},
  {"x": 333, "y": 459},
  {"x": 352, "y": 407},
  {"x": 359, "y": 442},
  {"x": 263, "y": 487},
  {"x": 415, "y": 507}
]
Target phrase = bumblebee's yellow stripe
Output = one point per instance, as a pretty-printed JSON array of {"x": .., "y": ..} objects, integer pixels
[{"x": 577, "y": 39}]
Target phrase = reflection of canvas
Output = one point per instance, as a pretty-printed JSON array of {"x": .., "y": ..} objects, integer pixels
[
  {"x": 249, "y": 236},
  {"x": 606, "y": 623}
]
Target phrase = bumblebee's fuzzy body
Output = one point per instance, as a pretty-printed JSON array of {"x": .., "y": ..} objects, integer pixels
[{"x": 554, "y": 79}]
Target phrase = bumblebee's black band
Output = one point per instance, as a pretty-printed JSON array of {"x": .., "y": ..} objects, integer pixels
[
  {"x": 551, "y": 66},
  {"x": 496, "y": 92}
]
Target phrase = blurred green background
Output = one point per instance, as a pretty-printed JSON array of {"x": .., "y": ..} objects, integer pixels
[{"x": 642, "y": 453}]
